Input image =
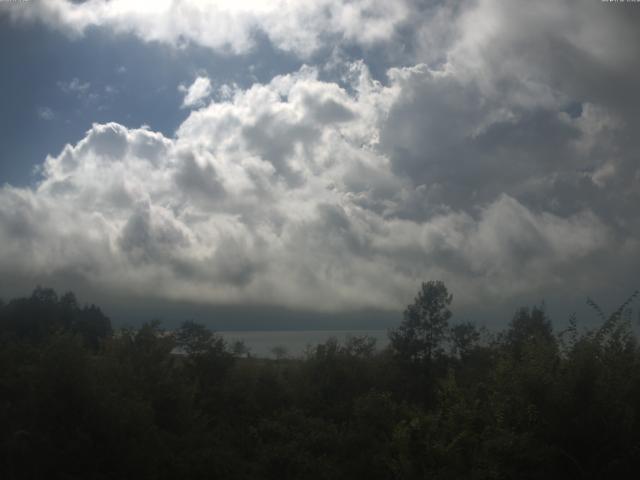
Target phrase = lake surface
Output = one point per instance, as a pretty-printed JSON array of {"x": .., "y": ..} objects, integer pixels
[{"x": 296, "y": 342}]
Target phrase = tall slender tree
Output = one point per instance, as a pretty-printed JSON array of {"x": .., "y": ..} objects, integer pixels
[{"x": 421, "y": 335}]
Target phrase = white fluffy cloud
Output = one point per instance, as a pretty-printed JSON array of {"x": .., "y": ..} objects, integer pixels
[
  {"x": 299, "y": 26},
  {"x": 196, "y": 93},
  {"x": 495, "y": 161},
  {"x": 283, "y": 195}
]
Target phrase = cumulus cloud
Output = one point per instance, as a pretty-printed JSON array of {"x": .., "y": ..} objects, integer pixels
[
  {"x": 493, "y": 158},
  {"x": 196, "y": 93},
  {"x": 283, "y": 194},
  {"x": 294, "y": 25}
]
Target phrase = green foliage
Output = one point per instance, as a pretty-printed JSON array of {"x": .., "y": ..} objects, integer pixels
[
  {"x": 529, "y": 328},
  {"x": 80, "y": 401},
  {"x": 464, "y": 338},
  {"x": 421, "y": 335},
  {"x": 43, "y": 314}
]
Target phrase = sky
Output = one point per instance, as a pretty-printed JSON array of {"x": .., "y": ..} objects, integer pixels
[{"x": 299, "y": 163}]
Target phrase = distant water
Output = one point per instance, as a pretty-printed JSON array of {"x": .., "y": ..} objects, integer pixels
[{"x": 295, "y": 342}]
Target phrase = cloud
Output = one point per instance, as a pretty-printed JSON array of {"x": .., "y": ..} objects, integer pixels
[
  {"x": 498, "y": 154},
  {"x": 298, "y": 26},
  {"x": 285, "y": 194},
  {"x": 81, "y": 90},
  {"x": 74, "y": 86},
  {"x": 196, "y": 93},
  {"x": 45, "y": 113}
]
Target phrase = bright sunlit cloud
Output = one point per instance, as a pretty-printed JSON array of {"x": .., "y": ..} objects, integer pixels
[
  {"x": 196, "y": 93},
  {"x": 331, "y": 155},
  {"x": 299, "y": 26}
]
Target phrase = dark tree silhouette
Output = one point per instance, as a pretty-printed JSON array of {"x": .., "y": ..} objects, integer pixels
[
  {"x": 44, "y": 313},
  {"x": 421, "y": 335},
  {"x": 464, "y": 337},
  {"x": 196, "y": 339},
  {"x": 520, "y": 404},
  {"x": 528, "y": 327}
]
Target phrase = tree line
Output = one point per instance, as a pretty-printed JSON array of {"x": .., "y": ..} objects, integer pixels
[{"x": 79, "y": 399}]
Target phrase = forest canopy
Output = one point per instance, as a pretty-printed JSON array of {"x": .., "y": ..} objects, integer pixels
[{"x": 444, "y": 400}]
